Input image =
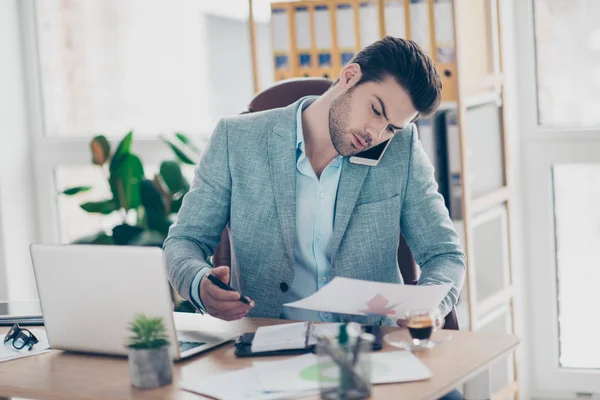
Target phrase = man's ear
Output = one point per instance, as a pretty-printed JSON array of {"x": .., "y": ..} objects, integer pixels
[{"x": 350, "y": 75}]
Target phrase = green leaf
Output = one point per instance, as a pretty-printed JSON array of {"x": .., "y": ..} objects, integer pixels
[
  {"x": 154, "y": 207},
  {"x": 76, "y": 189},
  {"x": 125, "y": 181},
  {"x": 149, "y": 333},
  {"x": 103, "y": 207},
  {"x": 188, "y": 142},
  {"x": 124, "y": 234},
  {"x": 170, "y": 171},
  {"x": 123, "y": 148},
  {"x": 98, "y": 238},
  {"x": 100, "y": 147},
  {"x": 182, "y": 152}
]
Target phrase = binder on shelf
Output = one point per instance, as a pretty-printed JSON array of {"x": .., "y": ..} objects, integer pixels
[
  {"x": 303, "y": 40},
  {"x": 445, "y": 48},
  {"x": 395, "y": 19},
  {"x": 419, "y": 24},
  {"x": 454, "y": 168},
  {"x": 280, "y": 30},
  {"x": 368, "y": 23},
  {"x": 323, "y": 41},
  {"x": 441, "y": 154},
  {"x": 432, "y": 134},
  {"x": 346, "y": 33},
  {"x": 444, "y": 32}
]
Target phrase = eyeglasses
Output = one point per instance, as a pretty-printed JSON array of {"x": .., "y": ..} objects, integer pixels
[{"x": 20, "y": 337}]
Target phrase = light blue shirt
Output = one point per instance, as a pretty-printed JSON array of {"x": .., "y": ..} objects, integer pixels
[{"x": 315, "y": 211}]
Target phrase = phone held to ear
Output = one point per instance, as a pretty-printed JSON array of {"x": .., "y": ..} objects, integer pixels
[{"x": 372, "y": 156}]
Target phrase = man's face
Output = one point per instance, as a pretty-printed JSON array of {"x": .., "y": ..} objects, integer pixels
[{"x": 366, "y": 115}]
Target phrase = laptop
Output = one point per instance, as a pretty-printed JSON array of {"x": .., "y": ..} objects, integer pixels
[
  {"x": 20, "y": 312},
  {"x": 89, "y": 294}
]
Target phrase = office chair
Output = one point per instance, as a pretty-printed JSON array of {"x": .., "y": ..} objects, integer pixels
[{"x": 282, "y": 94}]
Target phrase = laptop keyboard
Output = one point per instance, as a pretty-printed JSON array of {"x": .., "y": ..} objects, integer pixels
[{"x": 185, "y": 346}]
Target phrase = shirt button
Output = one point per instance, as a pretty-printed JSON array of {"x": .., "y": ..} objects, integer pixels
[
  {"x": 324, "y": 279},
  {"x": 318, "y": 237},
  {"x": 322, "y": 195}
]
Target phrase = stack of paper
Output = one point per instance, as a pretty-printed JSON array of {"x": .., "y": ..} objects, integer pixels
[
  {"x": 280, "y": 337},
  {"x": 240, "y": 384},
  {"x": 302, "y": 372},
  {"x": 297, "y": 335},
  {"x": 298, "y": 377},
  {"x": 8, "y": 352}
]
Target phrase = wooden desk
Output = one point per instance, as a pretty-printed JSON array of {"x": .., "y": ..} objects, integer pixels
[{"x": 60, "y": 375}]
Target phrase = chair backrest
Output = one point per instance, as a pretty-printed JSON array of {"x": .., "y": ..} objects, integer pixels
[{"x": 282, "y": 94}]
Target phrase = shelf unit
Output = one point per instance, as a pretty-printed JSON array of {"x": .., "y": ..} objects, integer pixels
[{"x": 473, "y": 87}]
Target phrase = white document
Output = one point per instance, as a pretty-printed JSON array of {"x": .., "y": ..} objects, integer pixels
[
  {"x": 240, "y": 384},
  {"x": 444, "y": 31},
  {"x": 320, "y": 330},
  {"x": 352, "y": 296},
  {"x": 302, "y": 373},
  {"x": 419, "y": 24},
  {"x": 395, "y": 21},
  {"x": 322, "y": 28},
  {"x": 8, "y": 352},
  {"x": 281, "y": 30},
  {"x": 369, "y": 23},
  {"x": 302, "y": 28},
  {"x": 345, "y": 27}
]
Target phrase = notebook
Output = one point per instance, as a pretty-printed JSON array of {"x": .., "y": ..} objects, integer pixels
[{"x": 293, "y": 338}]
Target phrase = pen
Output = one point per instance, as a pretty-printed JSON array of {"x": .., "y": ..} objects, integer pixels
[{"x": 225, "y": 286}]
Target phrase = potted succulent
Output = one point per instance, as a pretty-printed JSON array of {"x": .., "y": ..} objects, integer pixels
[{"x": 150, "y": 364}]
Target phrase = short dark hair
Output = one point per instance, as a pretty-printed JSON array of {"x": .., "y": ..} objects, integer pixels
[{"x": 412, "y": 68}]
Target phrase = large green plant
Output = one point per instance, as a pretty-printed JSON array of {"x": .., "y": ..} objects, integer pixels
[{"x": 147, "y": 207}]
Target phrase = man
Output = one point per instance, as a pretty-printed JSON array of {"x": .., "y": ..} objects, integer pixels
[{"x": 300, "y": 213}]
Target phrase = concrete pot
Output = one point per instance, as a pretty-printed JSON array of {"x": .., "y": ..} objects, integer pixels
[{"x": 150, "y": 368}]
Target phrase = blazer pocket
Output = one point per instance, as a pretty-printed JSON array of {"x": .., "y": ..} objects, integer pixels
[{"x": 378, "y": 203}]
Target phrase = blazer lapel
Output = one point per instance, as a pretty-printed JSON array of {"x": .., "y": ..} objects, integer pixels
[
  {"x": 282, "y": 164},
  {"x": 351, "y": 181}
]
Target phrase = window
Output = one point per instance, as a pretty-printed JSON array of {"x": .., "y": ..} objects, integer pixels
[
  {"x": 149, "y": 65},
  {"x": 577, "y": 225},
  {"x": 111, "y": 66},
  {"x": 567, "y": 37}
]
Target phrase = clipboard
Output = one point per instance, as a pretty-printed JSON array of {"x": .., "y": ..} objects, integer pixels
[{"x": 243, "y": 345}]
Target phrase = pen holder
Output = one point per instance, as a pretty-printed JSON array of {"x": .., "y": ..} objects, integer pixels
[{"x": 344, "y": 369}]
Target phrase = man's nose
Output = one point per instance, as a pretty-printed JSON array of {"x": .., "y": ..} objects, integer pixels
[
  {"x": 375, "y": 132},
  {"x": 371, "y": 136}
]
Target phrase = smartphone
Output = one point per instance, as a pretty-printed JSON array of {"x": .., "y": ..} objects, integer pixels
[{"x": 372, "y": 156}]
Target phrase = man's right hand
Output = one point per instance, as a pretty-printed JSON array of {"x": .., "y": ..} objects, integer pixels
[{"x": 221, "y": 303}]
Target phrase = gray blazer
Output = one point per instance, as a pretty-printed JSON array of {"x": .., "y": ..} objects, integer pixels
[{"x": 246, "y": 179}]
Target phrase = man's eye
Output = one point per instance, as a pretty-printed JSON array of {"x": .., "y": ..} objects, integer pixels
[
  {"x": 392, "y": 130},
  {"x": 375, "y": 111}
]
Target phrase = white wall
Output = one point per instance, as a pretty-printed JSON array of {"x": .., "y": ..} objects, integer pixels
[
  {"x": 230, "y": 72},
  {"x": 17, "y": 197},
  {"x": 229, "y": 65},
  {"x": 515, "y": 168}
]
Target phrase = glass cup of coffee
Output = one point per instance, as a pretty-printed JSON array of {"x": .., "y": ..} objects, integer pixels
[{"x": 421, "y": 324}]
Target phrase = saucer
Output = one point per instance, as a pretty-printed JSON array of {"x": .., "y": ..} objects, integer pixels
[{"x": 402, "y": 340}]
